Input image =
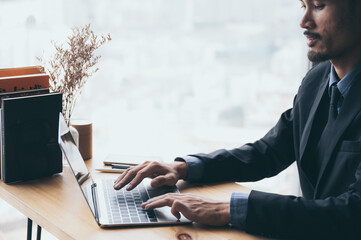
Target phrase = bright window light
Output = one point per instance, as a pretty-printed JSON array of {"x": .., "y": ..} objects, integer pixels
[{"x": 179, "y": 76}]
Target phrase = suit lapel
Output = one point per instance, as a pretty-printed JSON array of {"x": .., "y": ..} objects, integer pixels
[
  {"x": 308, "y": 126},
  {"x": 350, "y": 108}
]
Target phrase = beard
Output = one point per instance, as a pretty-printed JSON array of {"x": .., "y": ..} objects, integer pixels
[
  {"x": 314, "y": 56},
  {"x": 317, "y": 57}
]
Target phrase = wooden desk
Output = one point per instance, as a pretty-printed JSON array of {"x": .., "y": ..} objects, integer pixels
[{"x": 56, "y": 204}]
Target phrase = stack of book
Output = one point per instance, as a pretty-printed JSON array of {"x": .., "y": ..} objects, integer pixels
[{"x": 29, "y": 125}]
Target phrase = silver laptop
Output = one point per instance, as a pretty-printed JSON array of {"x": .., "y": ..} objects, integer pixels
[{"x": 113, "y": 208}]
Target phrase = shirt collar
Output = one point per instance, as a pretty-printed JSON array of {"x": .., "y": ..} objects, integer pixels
[{"x": 345, "y": 83}]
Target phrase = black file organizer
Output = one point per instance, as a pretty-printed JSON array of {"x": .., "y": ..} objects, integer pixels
[{"x": 29, "y": 145}]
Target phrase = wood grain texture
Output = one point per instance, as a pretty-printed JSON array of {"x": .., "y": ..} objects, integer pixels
[{"x": 56, "y": 204}]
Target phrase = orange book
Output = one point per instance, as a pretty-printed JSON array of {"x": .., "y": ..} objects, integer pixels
[
  {"x": 24, "y": 82},
  {"x": 7, "y": 72}
]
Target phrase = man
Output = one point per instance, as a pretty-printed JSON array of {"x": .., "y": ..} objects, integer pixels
[{"x": 322, "y": 133}]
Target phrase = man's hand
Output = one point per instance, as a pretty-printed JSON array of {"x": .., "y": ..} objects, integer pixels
[
  {"x": 166, "y": 174},
  {"x": 195, "y": 208}
]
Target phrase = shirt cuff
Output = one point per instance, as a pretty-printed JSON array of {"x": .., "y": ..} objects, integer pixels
[
  {"x": 195, "y": 167},
  {"x": 238, "y": 210}
]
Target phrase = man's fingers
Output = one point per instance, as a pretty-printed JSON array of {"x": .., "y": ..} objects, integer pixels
[
  {"x": 128, "y": 175},
  {"x": 194, "y": 208},
  {"x": 175, "y": 210},
  {"x": 163, "y": 175},
  {"x": 161, "y": 201},
  {"x": 121, "y": 176},
  {"x": 147, "y": 171},
  {"x": 167, "y": 179},
  {"x": 170, "y": 200}
]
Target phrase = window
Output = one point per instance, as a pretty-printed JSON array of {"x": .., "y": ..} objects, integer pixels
[{"x": 178, "y": 77}]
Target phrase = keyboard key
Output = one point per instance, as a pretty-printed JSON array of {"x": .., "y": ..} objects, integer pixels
[
  {"x": 153, "y": 220},
  {"x": 143, "y": 218},
  {"x": 116, "y": 214},
  {"x": 126, "y": 220}
]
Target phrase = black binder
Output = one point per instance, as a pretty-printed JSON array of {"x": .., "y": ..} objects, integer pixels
[{"x": 30, "y": 147}]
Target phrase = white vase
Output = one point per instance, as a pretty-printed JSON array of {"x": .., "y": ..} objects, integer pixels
[{"x": 75, "y": 135}]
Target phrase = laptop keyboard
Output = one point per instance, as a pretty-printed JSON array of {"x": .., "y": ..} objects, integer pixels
[{"x": 125, "y": 206}]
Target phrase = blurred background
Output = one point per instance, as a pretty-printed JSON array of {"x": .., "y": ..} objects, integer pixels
[{"x": 178, "y": 77}]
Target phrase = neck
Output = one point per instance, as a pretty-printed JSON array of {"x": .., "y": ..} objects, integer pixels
[
  {"x": 340, "y": 69},
  {"x": 345, "y": 63}
]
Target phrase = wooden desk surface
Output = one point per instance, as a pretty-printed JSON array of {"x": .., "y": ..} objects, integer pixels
[{"x": 56, "y": 204}]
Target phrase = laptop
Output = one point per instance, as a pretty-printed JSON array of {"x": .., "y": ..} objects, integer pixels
[{"x": 115, "y": 208}]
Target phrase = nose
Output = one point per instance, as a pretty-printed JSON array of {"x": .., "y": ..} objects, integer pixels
[{"x": 307, "y": 21}]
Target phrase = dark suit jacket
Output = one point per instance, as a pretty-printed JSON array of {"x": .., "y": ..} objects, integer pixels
[{"x": 331, "y": 206}]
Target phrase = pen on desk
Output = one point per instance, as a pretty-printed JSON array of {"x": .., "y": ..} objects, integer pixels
[{"x": 119, "y": 166}]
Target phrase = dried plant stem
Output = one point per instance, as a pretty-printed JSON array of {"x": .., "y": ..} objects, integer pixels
[{"x": 71, "y": 66}]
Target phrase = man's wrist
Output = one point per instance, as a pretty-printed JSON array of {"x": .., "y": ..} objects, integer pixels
[
  {"x": 195, "y": 168},
  {"x": 181, "y": 169},
  {"x": 226, "y": 215}
]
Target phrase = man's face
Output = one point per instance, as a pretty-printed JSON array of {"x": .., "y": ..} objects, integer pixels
[{"x": 333, "y": 28}]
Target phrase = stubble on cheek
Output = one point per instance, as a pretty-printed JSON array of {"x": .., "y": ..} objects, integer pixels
[{"x": 328, "y": 46}]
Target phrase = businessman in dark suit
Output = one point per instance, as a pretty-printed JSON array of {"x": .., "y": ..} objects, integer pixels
[{"x": 322, "y": 133}]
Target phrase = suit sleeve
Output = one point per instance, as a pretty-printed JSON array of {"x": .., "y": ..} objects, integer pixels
[
  {"x": 251, "y": 162},
  {"x": 292, "y": 217}
]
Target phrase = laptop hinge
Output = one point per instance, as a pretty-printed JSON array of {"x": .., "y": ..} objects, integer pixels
[{"x": 95, "y": 201}]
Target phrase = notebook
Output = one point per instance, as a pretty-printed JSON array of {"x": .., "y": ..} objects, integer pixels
[{"x": 109, "y": 207}]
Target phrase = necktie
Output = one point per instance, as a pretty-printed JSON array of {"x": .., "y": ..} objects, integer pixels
[
  {"x": 335, "y": 97},
  {"x": 322, "y": 131}
]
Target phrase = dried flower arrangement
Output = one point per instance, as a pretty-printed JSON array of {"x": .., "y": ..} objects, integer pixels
[{"x": 71, "y": 66}]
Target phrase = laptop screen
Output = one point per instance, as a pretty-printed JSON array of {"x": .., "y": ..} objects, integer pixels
[{"x": 75, "y": 160}]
